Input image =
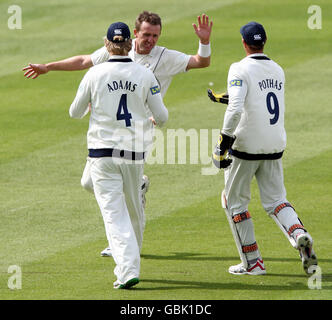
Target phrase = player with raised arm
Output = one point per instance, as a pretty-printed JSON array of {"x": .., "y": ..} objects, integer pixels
[
  {"x": 121, "y": 94},
  {"x": 163, "y": 62},
  {"x": 251, "y": 144}
]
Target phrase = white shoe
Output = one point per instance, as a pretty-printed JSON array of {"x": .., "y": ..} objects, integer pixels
[
  {"x": 256, "y": 269},
  {"x": 145, "y": 188},
  {"x": 304, "y": 243},
  {"x": 106, "y": 252}
]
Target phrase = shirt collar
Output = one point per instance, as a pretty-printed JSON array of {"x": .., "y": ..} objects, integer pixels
[
  {"x": 118, "y": 57},
  {"x": 256, "y": 55}
]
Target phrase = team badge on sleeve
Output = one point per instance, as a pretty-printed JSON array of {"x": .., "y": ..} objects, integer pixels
[
  {"x": 235, "y": 83},
  {"x": 155, "y": 90}
]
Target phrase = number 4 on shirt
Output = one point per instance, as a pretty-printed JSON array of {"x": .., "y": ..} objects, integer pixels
[{"x": 123, "y": 113}]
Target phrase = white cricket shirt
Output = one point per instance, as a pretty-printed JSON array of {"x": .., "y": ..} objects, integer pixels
[
  {"x": 122, "y": 95},
  {"x": 255, "y": 113},
  {"x": 163, "y": 62}
]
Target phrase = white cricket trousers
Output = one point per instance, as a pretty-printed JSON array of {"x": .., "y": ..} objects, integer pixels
[
  {"x": 86, "y": 181},
  {"x": 270, "y": 179},
  {"x": 117, "y": 188},
  {"x": 238, "y": 177}
]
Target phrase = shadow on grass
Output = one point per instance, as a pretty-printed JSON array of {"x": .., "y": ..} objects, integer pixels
[
  {"x": 203, "y": 257},
  {"x": 164, "y": 284}
]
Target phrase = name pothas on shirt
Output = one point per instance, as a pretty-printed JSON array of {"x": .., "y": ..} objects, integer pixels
[{"x": 270, "y": 84}]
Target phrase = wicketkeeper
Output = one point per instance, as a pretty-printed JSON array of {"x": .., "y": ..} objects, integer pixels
[{"x": 251, "y": 144}]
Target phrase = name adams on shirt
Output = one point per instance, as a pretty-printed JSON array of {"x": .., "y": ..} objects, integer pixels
[{"x": 119, "y": 84}]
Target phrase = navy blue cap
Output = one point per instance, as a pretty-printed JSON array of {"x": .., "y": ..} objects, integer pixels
[
  {"x": 253, "y": 33},
  {"x": 118, "y": 32}
]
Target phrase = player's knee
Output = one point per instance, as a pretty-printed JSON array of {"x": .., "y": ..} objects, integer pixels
[
  {"x": 272, "y": 206},
  {"x": 279, "y": 206}
]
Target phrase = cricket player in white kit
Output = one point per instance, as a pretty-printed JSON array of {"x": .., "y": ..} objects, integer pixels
[
  {"x": 163, "y": 62},
  {"x": 122, "y": 94},
  {"x": 251, "y": 144}
]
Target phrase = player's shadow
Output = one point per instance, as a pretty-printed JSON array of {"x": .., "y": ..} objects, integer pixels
[
  {"x": 164, "y": 284},
  {"x": 191, "y": 256},
  {"x": 181, "y": 256}
]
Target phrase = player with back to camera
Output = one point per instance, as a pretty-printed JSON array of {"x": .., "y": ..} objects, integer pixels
[
  {"x": 163, "y": 62},
  {"x": 251, "y": 144},
  {"x": 122, "y": 95}
]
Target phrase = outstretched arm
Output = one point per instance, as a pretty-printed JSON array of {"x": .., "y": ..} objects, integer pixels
[
  {"x": 81, "y": 104},
  {"x": 203, "y": 32},
  {"x": 71, "y": 64}
]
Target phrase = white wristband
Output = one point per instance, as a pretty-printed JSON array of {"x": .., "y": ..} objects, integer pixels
[{"x": 204, "y": 50}]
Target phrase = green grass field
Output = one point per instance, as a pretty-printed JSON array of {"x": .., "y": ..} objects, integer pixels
[{"x": 52, "y": 229}]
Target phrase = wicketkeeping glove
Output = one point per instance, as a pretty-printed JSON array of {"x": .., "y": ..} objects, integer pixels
[
  {"x": 220, "y": 97},
  {"x": 220, "y": 152}
]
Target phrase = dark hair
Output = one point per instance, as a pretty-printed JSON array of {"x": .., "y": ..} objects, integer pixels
[
  {"x": 149, "y": 17},
  {"x": 256, "y": 47}
]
